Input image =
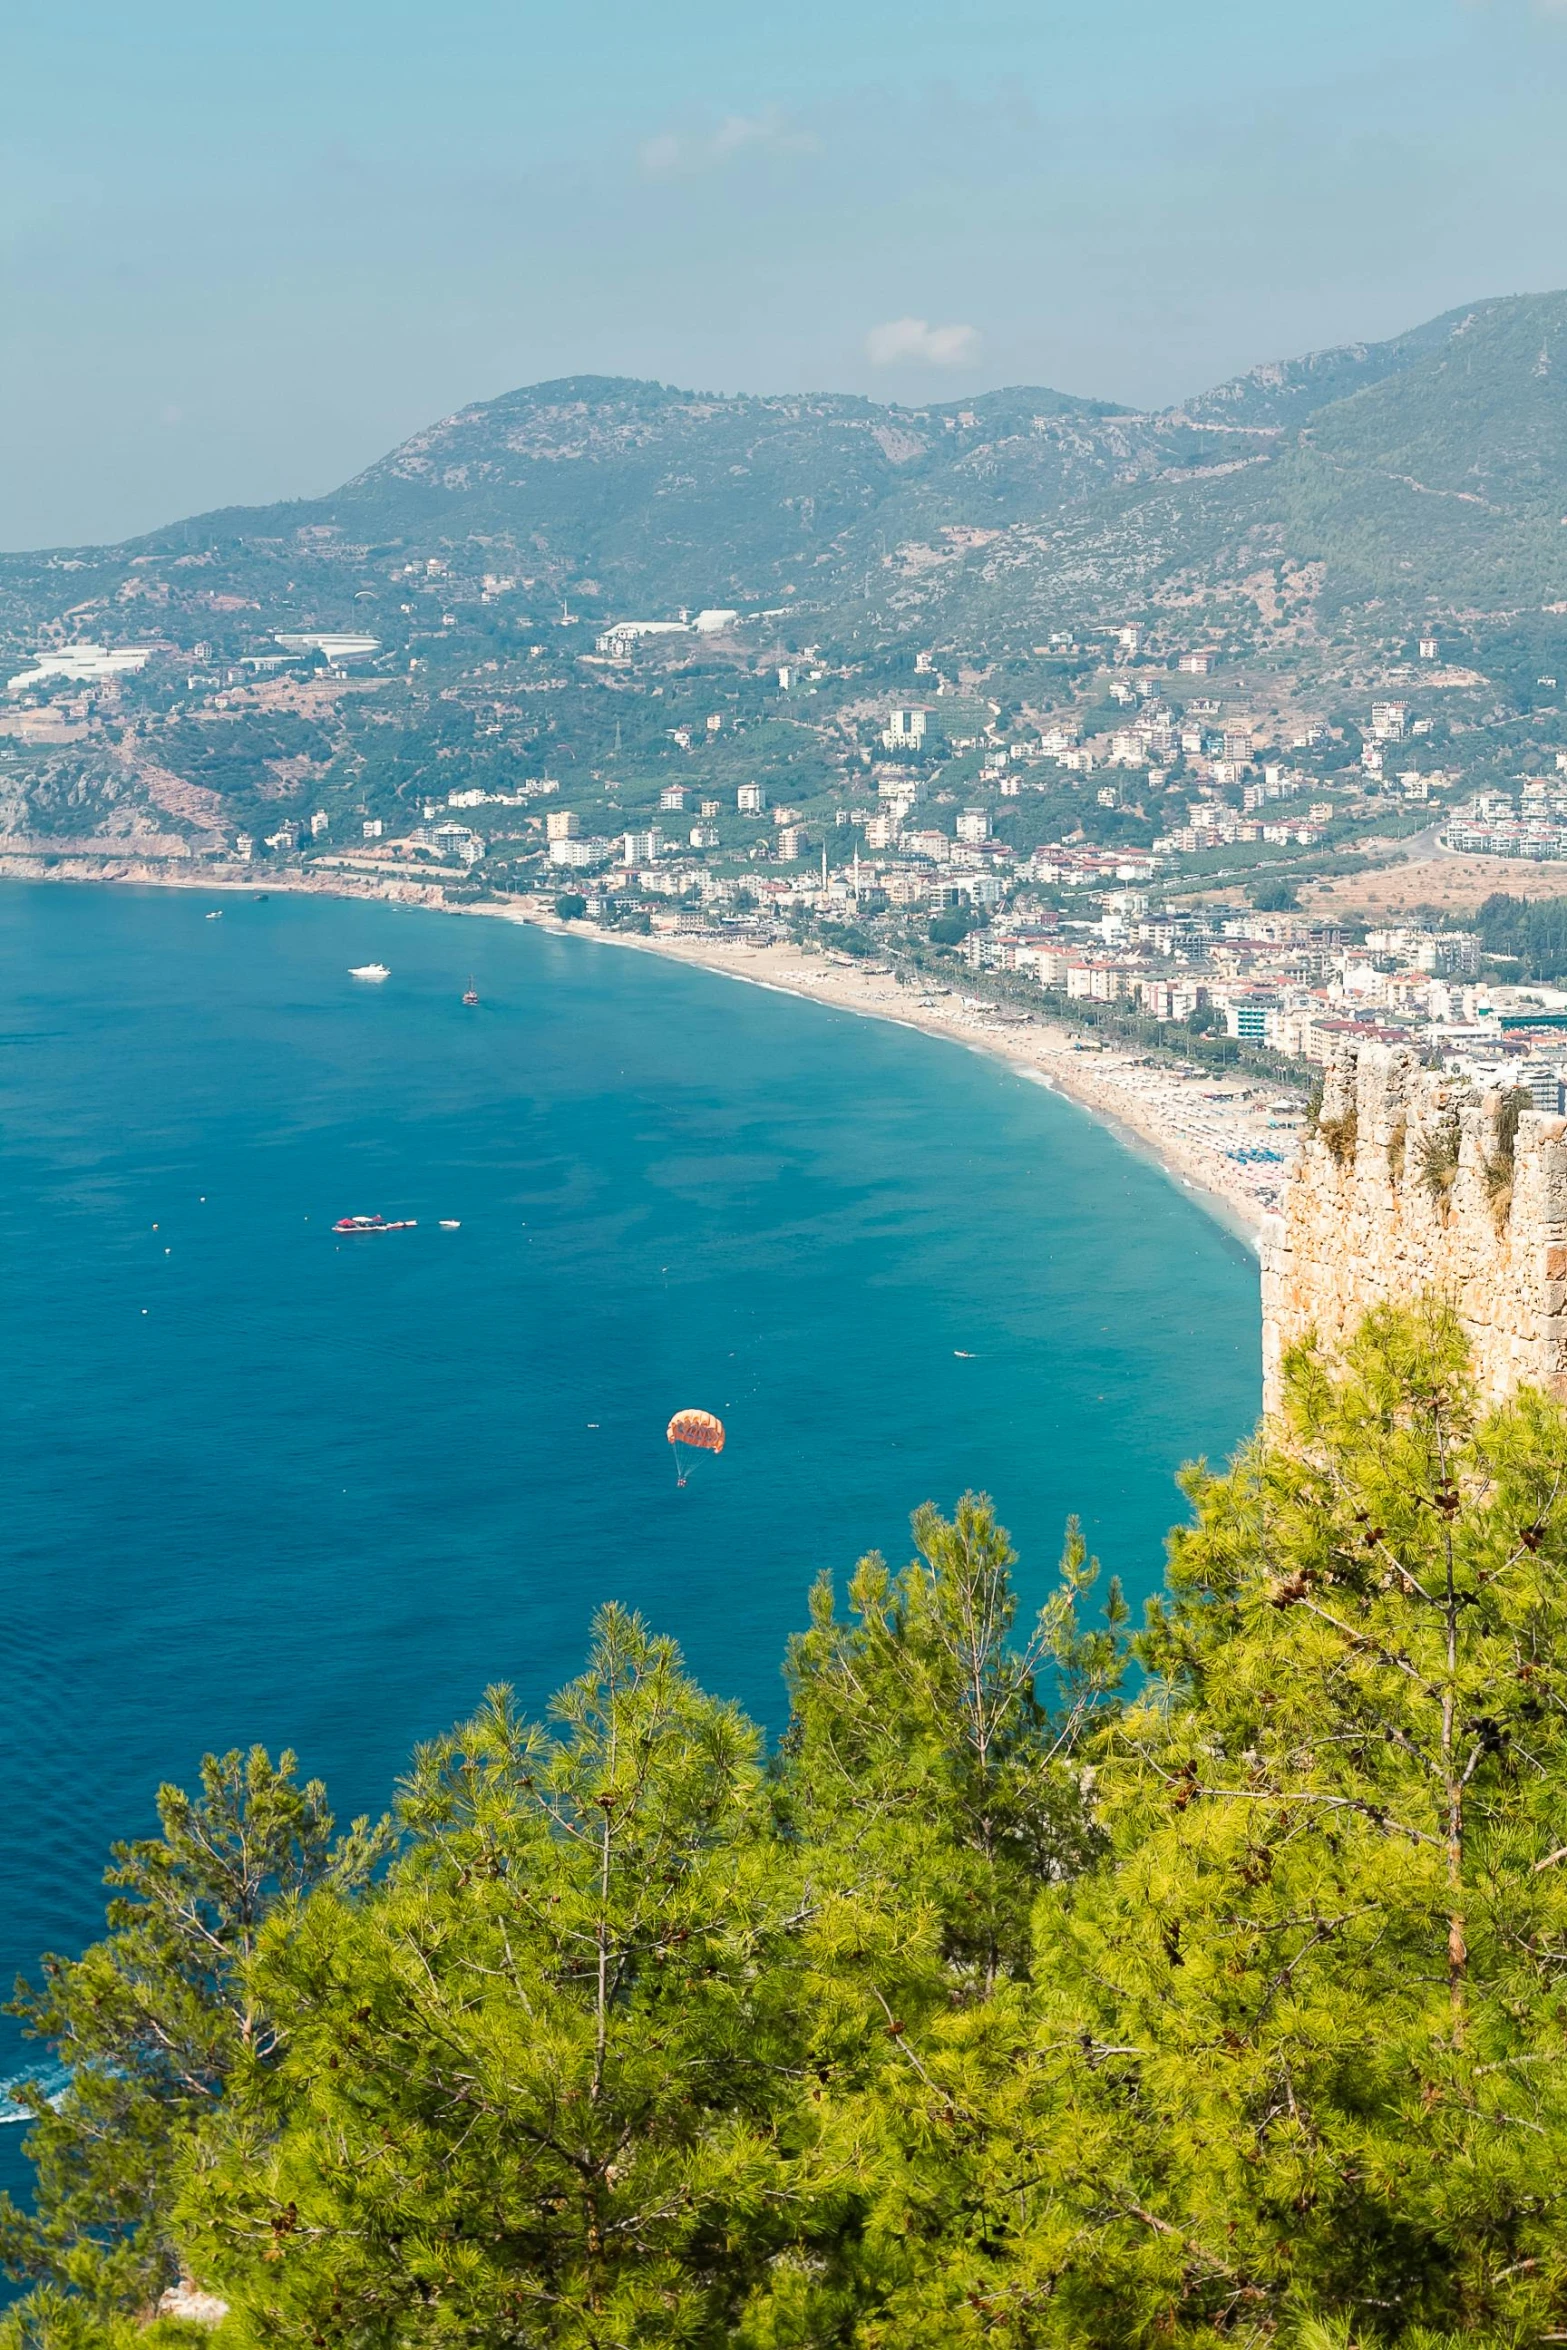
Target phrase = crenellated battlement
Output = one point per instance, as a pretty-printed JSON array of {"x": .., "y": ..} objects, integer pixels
[{"x": 1414, "y": 1181}]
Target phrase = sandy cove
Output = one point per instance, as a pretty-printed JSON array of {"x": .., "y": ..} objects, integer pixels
[{"x": 1176, "y": 1121}]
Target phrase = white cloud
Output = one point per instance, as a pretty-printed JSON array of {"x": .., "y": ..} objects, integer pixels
[
  {"x": 915, "y": 338},
  {"x": 661, "y": 156},
  {"x": 677, "y": 154}
]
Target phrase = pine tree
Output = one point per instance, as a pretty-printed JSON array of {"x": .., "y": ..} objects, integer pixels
[
  {"x": 932, "y": 1783},
  {"x": 154, "y": 2022},
  {"x": 931, "y": 1758},
  {"x": 542, "y": 2086},
  {"x": 1297, "y": 2051}
]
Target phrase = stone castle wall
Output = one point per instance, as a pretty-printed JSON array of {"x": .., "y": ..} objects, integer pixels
[{"x": 1408, "y": 1184}]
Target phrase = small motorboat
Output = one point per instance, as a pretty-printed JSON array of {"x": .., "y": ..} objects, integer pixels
[
  {"x": 216, "y": 914},
  {"x": 376, "y": 1224},
  {"x": 451, "y": 1224},
  {"x": 375, "y": 971}
]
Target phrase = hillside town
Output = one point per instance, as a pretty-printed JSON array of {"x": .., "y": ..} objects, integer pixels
[{"x": 1121, "y": 824}]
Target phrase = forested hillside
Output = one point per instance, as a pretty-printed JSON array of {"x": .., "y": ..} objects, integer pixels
[{"x": 1047, "y": 1986}]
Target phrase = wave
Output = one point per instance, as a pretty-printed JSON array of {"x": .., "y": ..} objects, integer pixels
[{"x": 53, "y": 2079}]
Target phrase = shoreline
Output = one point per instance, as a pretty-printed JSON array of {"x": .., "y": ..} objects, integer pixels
[{"x": 1185, "y": 1127}]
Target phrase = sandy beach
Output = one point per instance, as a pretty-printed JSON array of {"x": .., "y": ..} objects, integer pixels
[{"x": 1201, "y": 1129}]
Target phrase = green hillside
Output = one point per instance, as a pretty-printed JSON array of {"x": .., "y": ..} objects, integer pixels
[
  {"x": 1284, "y": 393},
  {"x": 1480, "y": 415},
  {"x": 1313, "y": 517},
  {"x": 1433, "y": 466},
  {"x": 1451, "y": 473}
]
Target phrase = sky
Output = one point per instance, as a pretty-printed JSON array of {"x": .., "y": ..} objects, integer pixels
[{"x": 245, "y": 251}]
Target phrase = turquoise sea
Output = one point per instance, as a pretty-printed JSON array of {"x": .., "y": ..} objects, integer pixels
[{"x": 264, "y": 1484}]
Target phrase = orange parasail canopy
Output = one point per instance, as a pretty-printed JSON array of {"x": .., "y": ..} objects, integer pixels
[{"x": 703, "y": 1431}]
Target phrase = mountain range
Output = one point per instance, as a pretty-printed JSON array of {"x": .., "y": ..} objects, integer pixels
[{"x": 1430, "y": 470}]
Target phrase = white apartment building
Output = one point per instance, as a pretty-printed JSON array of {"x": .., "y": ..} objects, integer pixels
[
  {"x": 1443, "y": 954},
  {"x": 449, "y": 840},
  {"x": 904, "y": 730},
  {"x": 578, "y": 855}
]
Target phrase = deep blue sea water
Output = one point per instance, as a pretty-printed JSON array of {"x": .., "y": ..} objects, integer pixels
[{"x": 263, "y": 1484}]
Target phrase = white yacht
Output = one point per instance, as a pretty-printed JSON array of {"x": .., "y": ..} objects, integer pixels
[{"x": 377, "y": 971}]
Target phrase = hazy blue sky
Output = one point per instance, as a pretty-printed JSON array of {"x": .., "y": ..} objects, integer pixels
[{"x": 242, "y": 251}]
